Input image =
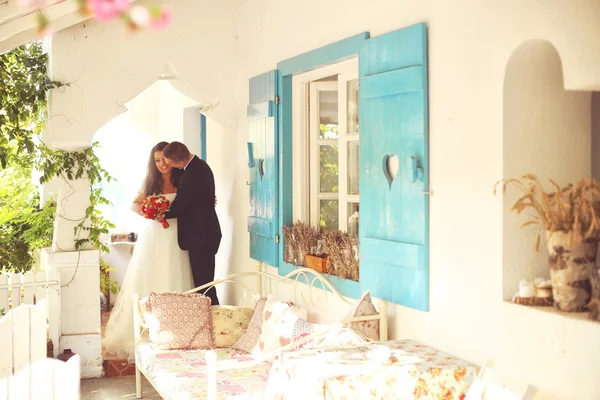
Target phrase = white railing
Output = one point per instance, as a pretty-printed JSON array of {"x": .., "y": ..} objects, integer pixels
[
  {"x": 47, "y": 379},
  {"x": 22, "y": 337},
  {"x": 29, "y": 289},
  {"x": 25, "y": 372}
]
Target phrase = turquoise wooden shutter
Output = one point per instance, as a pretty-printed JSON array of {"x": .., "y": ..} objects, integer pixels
[
  {"x": 394, "y": 230},
  {"x": 263, "y": 167}
]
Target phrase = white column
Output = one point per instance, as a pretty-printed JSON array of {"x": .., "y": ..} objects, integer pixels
[
  {"x": 71, "y": 202},
  {"x": 80, "y": 319},
  {"x": 75, "y": 113}
]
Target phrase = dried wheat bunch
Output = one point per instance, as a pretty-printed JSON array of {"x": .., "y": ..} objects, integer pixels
[
  {"x": 341, "y": 260},
  {"x": 289, "y": 242},
  {"x": 594, "y": 304},
  {"x": 572, "y": 209},
  {"x": 307, "y": 236}
]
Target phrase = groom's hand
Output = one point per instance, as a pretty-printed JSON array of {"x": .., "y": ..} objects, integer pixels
[{"x": 215, "y": 201}]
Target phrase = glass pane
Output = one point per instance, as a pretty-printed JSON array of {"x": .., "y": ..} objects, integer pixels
[
  {"x": 328, "y": 215},
  {"x": 353, "y": 167},
  {"x": 328, "y": 160},
  {"x": 352, "y": 105},
  {"x": 328, "y": 114},
  {"x": 353, "y": 218}
]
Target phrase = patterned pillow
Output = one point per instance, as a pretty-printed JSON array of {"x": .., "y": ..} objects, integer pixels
[
  {"x": 229, "y": 323},
  {"x": 249, "y": 338},
  {"x": 302, "y": 329},
  {"x": 279, "y": 319},
  {"x": 182, "y": 321},
  {"x": 363, "y": 308}
]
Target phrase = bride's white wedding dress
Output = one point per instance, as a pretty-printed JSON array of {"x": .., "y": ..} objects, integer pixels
[{"x": 157, "y": 265}]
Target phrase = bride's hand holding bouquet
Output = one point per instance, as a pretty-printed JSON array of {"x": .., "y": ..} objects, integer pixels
[{"x": 154, "y": 207}]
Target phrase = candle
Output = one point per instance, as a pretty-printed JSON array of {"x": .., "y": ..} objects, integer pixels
[{"x": 526, "y": 289}]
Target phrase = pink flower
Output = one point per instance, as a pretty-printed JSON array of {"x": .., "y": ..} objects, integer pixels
[
  {"x": 230, "y": 389},
  {"x": 198, "y": 364},
  {"x": 30, "y": 4},
  {"x": 43, "y": 26},
  {"x": 167, "y": 356},
  {"x": 106, "y": 10},
  {"x": 139, "y": 15},
  {"x": 161, "y": 18},
  {"x": 190, "y": 374},
  {"x": 242, "y": 357}
]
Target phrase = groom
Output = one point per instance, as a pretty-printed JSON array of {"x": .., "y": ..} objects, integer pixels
[{"x": 198, "y": 226}]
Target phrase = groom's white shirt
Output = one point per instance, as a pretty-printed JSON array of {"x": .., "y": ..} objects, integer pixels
[{"x": 188, "y": 163}]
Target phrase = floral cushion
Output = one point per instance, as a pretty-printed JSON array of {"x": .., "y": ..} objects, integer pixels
[
  {"x": 279, "y": 319},
  {"x": 250, "y": 337},
  {"x": 229, "y": 323},
  {"x": 363, "y": 308},
  {"x": 181, "y": 321}
]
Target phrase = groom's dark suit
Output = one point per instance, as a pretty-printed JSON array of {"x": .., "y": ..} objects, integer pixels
[{"x": 198, "y": 230}]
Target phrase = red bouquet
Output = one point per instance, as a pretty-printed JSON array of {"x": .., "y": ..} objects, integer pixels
[{"x": 154, "y": 207}]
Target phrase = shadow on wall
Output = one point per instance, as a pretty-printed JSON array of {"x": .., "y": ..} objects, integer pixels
[{"x": 547, "y": 132}]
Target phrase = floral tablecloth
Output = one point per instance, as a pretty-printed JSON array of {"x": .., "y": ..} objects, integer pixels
[
  {"x": 398, "y": 369},
  {"x": 181, "y": 375}
]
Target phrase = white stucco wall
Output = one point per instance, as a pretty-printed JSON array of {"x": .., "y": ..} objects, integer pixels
[
  {"x": 470, "y": 44},
  {"x": 219, "y": 144},
  {"x": 217, "y": 47}
]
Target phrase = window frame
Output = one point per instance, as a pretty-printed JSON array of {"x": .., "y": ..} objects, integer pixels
[
  {"x": 305, "y": 160},
  {"x": 326, "y": 55}
]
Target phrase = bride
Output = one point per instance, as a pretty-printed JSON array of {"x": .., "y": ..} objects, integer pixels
[{"x": 157, "y": 264}]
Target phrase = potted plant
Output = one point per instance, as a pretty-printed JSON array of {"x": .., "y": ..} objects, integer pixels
[{"x": 570, "y": 218}]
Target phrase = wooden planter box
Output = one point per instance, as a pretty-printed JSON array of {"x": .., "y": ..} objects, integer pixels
[{"x": 316, "y": 263}]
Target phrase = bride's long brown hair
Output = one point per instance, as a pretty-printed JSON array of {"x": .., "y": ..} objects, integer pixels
[{"x": 154, "y": 179}]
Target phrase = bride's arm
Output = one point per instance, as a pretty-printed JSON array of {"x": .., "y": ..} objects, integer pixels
[{"x": 136, "y": 206}]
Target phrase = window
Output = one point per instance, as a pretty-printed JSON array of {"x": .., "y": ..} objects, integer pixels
[
  {"x": 326, "y": 130},
  {"x": 394, "y": 223}
]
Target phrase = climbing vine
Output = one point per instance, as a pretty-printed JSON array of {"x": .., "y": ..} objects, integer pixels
[
  {"x": 24, "y": 225},
  {"x": 73, "y": 165}
]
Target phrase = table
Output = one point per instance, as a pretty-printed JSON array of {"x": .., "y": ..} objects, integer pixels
[{"x": 414, "y": 371}]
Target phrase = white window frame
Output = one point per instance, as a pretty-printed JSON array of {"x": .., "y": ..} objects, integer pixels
[{"x": 305, "y": 155}]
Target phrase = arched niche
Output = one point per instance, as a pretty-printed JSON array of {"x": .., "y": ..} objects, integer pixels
[{"x": 547, "y": 131}]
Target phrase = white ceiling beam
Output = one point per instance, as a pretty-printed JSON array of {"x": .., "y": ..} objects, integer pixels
[{"x": 18, "y": 27}]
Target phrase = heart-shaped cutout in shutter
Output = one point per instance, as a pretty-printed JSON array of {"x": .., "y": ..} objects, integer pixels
[
  {"x": 261, "y": 168},
  {"x": 390, "y": 167}
]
